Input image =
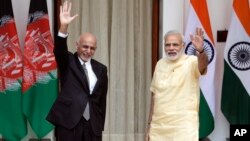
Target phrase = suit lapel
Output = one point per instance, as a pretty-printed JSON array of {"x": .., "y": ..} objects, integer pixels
[{"x": 80, "y": 72}]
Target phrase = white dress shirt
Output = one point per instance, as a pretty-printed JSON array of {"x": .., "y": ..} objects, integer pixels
[{"x": 91, "y": 75}]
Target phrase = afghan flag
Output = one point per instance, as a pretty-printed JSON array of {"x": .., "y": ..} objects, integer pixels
[
  {"x": 40, "y": 85},
  {"x": 235, "y": 101},
  {"x": 199, "y": 17},
  {"x": 12, "y": 120}
]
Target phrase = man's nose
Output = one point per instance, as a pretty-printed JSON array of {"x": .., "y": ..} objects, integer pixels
[{"x": 88, "y": 49}]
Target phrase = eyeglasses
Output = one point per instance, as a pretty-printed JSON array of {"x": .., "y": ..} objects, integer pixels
[{"x": 173, "y": 44}]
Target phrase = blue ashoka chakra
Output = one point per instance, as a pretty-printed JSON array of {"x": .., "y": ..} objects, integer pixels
[
  {"x": 208, "y": 49},
  {"x": 239, "y": 56}
]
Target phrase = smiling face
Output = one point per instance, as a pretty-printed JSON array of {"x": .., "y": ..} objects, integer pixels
[
  {"x": 86, "y": 46},
  {"x": 173, "y": 46}
]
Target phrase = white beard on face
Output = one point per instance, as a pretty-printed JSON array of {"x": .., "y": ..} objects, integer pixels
[{"x": 175, "y": 57}]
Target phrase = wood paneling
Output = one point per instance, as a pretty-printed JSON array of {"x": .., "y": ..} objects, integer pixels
[{"x": 155, "y": 33}]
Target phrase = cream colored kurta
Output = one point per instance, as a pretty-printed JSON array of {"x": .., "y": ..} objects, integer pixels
[{"x": 176, "y": 105}]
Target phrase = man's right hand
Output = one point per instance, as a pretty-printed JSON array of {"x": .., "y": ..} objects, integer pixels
[{"x": 65, "y": 17}]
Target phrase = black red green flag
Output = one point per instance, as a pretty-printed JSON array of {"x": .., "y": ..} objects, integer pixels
[
  {"x": 40, "y": 85},
  {"x": 12, "y": 120}
]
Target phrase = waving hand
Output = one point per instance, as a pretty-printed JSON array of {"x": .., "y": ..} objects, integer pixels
[
  {"x": 198, "y": 39},
  {"x": 65, "y": 18}
]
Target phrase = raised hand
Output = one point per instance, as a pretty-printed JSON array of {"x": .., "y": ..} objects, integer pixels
[
  {"x": 65, "y": 17},
  {"x": 198, "y": 39}
]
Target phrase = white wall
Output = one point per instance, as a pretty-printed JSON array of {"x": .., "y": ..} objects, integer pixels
[
  {"x": 174, "y": 16},
  {"x": 21, "y": 9}
]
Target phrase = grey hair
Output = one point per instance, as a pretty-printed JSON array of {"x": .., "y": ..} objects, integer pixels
[{"x": 175, "y": 32}]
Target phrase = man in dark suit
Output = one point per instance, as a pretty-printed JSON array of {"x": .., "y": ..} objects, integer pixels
[{"x": 79, "y": 111}]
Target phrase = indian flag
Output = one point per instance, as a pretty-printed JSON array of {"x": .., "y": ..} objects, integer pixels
[
  {"x": 199, "y": 17},
  {"x": 235, "y": 101}
]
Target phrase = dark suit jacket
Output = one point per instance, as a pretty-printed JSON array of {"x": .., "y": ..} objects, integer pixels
[{"x": 74, "y": 95}]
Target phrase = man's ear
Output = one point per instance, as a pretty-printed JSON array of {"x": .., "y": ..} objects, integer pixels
[
  {"x": 184, "y": 44},
  {"x": 77, "y": 44}
]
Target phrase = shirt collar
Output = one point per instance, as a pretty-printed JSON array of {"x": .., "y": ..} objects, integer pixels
[{"x": 86, "y": 63}]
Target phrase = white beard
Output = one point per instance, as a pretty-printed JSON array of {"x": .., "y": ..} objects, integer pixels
[{"x": 175, "y": 57}]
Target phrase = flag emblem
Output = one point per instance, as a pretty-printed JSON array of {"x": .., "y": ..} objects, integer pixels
[
  {"x": 239, "y": 56},
  {"x": 11, "y": 63}
]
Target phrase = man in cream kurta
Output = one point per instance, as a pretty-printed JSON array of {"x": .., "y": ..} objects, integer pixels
[{"x": 175, "y": 91}]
